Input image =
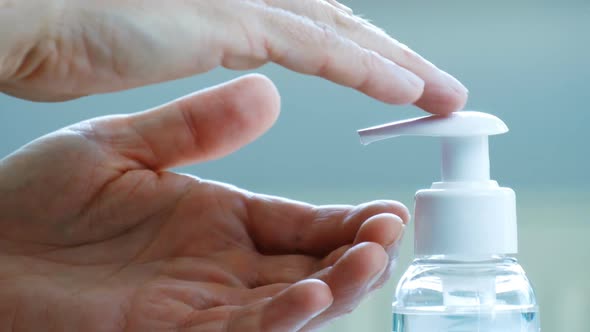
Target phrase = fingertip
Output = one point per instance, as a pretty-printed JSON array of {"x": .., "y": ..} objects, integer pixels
[
  {"x": 297, "y": 305},
  {"x": 233, "y": 114},
  {"x": 443, "y": 95},
  {"x": 352, "y": 277},
  {"x": 383, "y": 229},
  {"x": 364, "y": 259},
  {"x": 389, "y": 206},
  {"x": 380, "y": 256},
  {"x": 260, "y": 95},
  {"x": 313, "y": 294},
  {"x": 205, "y": 125},
  {"x": 355, "y": 270},
  {"x": 401, "y": 211}
]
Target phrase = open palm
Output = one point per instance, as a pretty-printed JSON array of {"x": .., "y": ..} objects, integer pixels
[{"x": 96, "y": 236}]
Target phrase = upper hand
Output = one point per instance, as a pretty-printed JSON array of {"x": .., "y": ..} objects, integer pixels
[
  {"x": 96, "y": 235},
  {"x": 57, "y": 50}
]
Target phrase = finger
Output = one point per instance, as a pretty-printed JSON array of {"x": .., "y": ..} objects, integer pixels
[
  {"x": 280, "y": 269},
  {"x": 335, "y": 255},
  {"x": 203, "y": 295},
  {"x": 442, "y": 92},
  {"x": 243, "y": 296},
  {"x": 288, "y": 311},
  {"x": 206, "y": 125},
  {"x": 386, "y": 229},
  {"x": 350, "y": 279},
  {"x": 318, "y": 49},
  {"x": 188, "y": 304},
  {"x": 284, "y": 268},
  {"x": 282, "y": 226},
  {"x": 383, "y": 228},
  {"x": 340, "y": 6}
]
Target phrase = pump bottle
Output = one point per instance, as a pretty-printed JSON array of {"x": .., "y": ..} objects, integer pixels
[{"x": 463, "y": 278}]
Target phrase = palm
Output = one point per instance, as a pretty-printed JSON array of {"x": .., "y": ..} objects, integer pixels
[{"x": 126, "y": 246}]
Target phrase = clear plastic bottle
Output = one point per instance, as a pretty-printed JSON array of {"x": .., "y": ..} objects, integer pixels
[
  {"x": 465, "y": 226},
  {"x": 458, "y": 294}
]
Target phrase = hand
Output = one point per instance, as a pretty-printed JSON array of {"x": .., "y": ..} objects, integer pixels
[
  {"x": 58, "y": 50},
  {"x": 95, "y": 235}
]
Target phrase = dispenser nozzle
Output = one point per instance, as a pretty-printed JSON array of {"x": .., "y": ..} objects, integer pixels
[
  {"x": 465, "y": 214},
  {"x": 458, "y": 124},
  {"x": 464, "y": 138}
]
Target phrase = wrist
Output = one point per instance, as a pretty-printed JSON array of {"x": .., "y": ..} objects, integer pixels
[{"x": 26, "y": 301}]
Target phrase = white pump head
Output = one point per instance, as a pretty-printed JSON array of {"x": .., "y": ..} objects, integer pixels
[{"x": 465, "y": 214}]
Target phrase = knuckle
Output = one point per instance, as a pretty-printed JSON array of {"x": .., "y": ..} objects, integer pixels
[
  {"x": 369, "y": 61},
  {"x": 328, "y": 36},
  {"x": 249, "y": 48},
  {"x": 26, "y": 60},
  {"x": 324, "y": 66}
]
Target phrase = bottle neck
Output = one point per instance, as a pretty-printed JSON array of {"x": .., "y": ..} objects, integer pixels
[{"x": 489, "y": 258}]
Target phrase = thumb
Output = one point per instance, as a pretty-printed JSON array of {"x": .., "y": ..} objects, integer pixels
[{"x": 206, "y": 125}]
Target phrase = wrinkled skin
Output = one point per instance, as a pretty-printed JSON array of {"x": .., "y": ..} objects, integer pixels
[
  {"x": 96, "y": 235},
  {"x": 63, "y": 49}
]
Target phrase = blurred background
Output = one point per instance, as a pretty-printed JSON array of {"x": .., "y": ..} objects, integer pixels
[{"x": 525, "y": 61}]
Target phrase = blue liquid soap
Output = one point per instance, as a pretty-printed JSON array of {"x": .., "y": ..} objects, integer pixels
[{"x": 443, "y": 295}]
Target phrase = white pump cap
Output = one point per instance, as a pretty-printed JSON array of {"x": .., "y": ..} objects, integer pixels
[{"x": 466, "y": 214}]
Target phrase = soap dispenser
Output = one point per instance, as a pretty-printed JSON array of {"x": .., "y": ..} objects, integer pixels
[{"x": 463, "y": 278}]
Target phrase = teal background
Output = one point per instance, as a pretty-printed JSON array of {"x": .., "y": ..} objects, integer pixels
[{"x": 525, "y": 61}]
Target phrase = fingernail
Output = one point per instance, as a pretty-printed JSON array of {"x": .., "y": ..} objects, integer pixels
[
  {"x": 378, "y": 275},
  {"x": 397, "y": 243},
  {"x": 454, "y": 84},
  {"x": 400, "y": 235},
  {"x": 399, "y": 229},
  {"x": 320, "y": 310},
  {"x": 413, "y": 79}
]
